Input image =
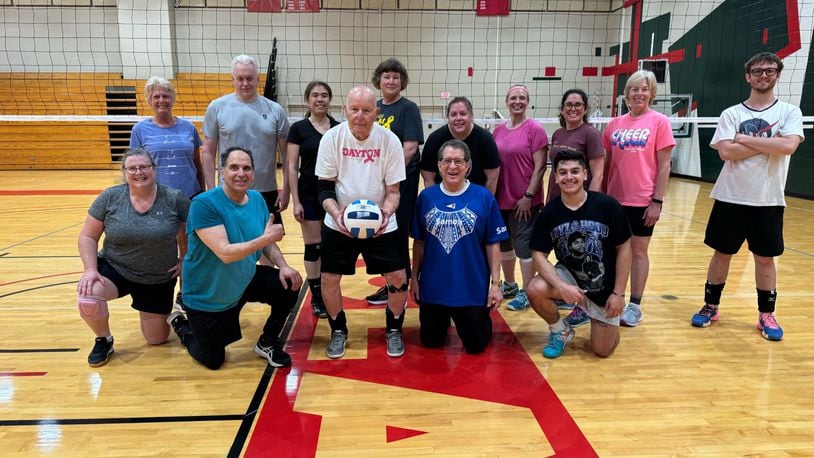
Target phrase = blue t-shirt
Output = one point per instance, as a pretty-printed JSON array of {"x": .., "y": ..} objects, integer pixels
[
  {"x": 173, "y": 150},
  {"x": 455, "y": 229},
  {"x": 209, "y": 284}
]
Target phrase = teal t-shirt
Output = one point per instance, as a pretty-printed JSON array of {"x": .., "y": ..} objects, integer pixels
[{"x": 209, "y": 284}]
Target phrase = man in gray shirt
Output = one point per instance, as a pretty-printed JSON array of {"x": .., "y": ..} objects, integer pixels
[{"x": 250, "y": 121}]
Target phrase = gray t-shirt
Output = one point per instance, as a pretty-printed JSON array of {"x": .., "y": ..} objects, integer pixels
[
  {"x": 140, "y": 246},
  {"x": 254, "y": 125}
]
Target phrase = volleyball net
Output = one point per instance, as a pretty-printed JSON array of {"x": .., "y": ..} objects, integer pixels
[
  {"x": 61, "y": 60},
  {"x": 66, "y": 61}
]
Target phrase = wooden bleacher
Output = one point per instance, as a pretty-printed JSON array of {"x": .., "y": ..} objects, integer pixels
[{"x": 79, "y": 144}]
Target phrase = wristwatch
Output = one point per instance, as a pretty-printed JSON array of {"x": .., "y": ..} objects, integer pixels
[{"x": 528, "y": 195}]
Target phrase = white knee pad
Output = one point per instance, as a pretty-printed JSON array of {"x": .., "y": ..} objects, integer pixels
[
  {"x": 507, "y": 256},
  {"x": 92, "y": 307}
]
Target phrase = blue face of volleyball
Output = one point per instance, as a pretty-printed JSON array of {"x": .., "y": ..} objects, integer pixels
[{"x": 362, "y": 218}]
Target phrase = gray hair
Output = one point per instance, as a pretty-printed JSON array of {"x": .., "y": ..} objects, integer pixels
[
  {"x": 158, "y": 81},
  {"x": 455, "y": 144},
  {"x": 245, "y": 60}
]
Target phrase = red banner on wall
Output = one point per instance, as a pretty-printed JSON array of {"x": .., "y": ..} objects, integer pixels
[
  {"x": 302, "y": 6},
  {"x": 263, "y": 6},
  {"x": 492, "y": 8}
]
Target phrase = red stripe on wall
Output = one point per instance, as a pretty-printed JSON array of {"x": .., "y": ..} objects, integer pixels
[{"x": 793, "y": 30}]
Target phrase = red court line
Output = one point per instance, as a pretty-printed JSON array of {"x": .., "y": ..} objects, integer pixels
[
  {"x": 39, "y": 278},
  {"x": 49, "y": 192},
  {"x": 22, "y": 374},
  {"x": 491, "y": 376}
]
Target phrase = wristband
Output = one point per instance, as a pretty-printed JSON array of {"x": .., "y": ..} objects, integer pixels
[
  {"x": 496, "y": 282},
  {"x": 528, "y": 195},
  {"x": 656, "y": 201}
]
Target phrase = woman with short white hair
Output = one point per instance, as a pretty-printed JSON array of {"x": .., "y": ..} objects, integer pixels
[{"x": 638, "y": 148}]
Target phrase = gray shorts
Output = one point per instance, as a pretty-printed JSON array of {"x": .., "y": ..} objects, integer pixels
[
  {"x": 519, "y": 233},
  {"x": 594, "y": 311}
]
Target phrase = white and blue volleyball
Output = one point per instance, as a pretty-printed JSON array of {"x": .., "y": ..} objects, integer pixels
[{"x": 362, "y": 218}]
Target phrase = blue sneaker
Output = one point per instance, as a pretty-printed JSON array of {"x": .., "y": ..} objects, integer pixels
[
  {"x": 509, "y": 290},
  {"x": 631, "y": 315},
  {"x": 578, "y": 317},
  {"x": 705, "y": 316},
  {"x": 768, "y": 326},
  {"x": 556, "y": 343},
  {"x": 520, "y": 302}
]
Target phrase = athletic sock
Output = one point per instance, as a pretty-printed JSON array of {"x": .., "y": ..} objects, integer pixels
[
  {"x": 339, "y": 323},
  {"x": 315, "y": 285},
  {"x": 393, "y": 323},
  {"x": 766, "y": 300},
  {"x": 637, "y": 300},
  {"x": 712, "y": 293},
  {"x": 557, "y": 327}
]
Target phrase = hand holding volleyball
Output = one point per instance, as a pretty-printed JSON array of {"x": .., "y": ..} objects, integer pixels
[{"x": 362, "y": 218}]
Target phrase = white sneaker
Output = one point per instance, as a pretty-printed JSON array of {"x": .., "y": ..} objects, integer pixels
[{"x": 631, "y": 315}]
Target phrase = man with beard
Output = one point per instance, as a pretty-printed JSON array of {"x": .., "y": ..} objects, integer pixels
[{"x": 755, "y": 139}]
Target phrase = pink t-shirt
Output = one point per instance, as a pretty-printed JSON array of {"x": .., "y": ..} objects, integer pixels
[
  {"x": 633, "y": 143},
  {"x": 517, "y": 147}
]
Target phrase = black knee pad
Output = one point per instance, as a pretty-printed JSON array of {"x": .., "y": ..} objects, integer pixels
[
  {"x": 312, "y": 252},
  {"x": 394, "y": 289}
]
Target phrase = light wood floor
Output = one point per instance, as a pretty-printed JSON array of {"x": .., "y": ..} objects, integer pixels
[{"x": 670, "y": 389}]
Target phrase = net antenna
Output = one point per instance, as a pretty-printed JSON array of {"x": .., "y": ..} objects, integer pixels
[{"x": 270, "y": 88}]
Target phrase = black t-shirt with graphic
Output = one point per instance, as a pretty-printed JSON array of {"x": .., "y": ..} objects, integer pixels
[{"x": 584, "y": 240}]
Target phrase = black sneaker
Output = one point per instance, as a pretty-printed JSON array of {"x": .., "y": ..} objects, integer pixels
[
  {"x": 177, "y": 320},
  {"x": 101, "y": 352},
  {"x": 179, "y": 302},
  {"x": 274, "y": 354},
  {"x": 319, "y": 309},
  {"x": 379, "y": 297}
]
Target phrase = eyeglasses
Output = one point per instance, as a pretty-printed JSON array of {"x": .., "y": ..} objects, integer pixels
[
  {"x": 138, "y": 168},
  {"x": 574, "y": 106},
  {"x": 458, "y": 162},
  {"x": 759, "y": 71}
]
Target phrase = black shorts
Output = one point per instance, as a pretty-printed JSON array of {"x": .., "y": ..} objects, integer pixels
[
  {"x": 312, "y": 210},
  {"x": 340, "y": 252},
  {"x": 156, "y": 298},
  {"x": 730, "y": 224},
  {"x": 271, "y": 202},
  {"x": 214, "y": 330},
  {"x": 635, "y": 217},
  {"x": 473, "y": 324}
]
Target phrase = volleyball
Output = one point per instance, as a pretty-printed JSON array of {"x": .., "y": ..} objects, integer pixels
[{"x": 362, "y": 218}]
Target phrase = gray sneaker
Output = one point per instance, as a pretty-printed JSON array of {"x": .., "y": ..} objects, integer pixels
[
  {"x": 395, "y": 344},
  {"x": 631, "y": 315},
  {"x": 336, "y": 348}
]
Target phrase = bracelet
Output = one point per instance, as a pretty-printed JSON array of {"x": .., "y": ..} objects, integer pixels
[
  {"x": 496, "y": 282},
  {"x": 528, "y": 195},
  {"x": 656, "y": 201},
  {"x": 620, "y": 295}
]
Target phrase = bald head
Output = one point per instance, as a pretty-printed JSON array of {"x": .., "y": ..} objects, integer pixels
[{"x": 361, "y": 111}]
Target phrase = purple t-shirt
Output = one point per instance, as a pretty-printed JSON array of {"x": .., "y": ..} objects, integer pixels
[
  {"x": 517, "y": 147},
  {"x": 584, "y": 139}
]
